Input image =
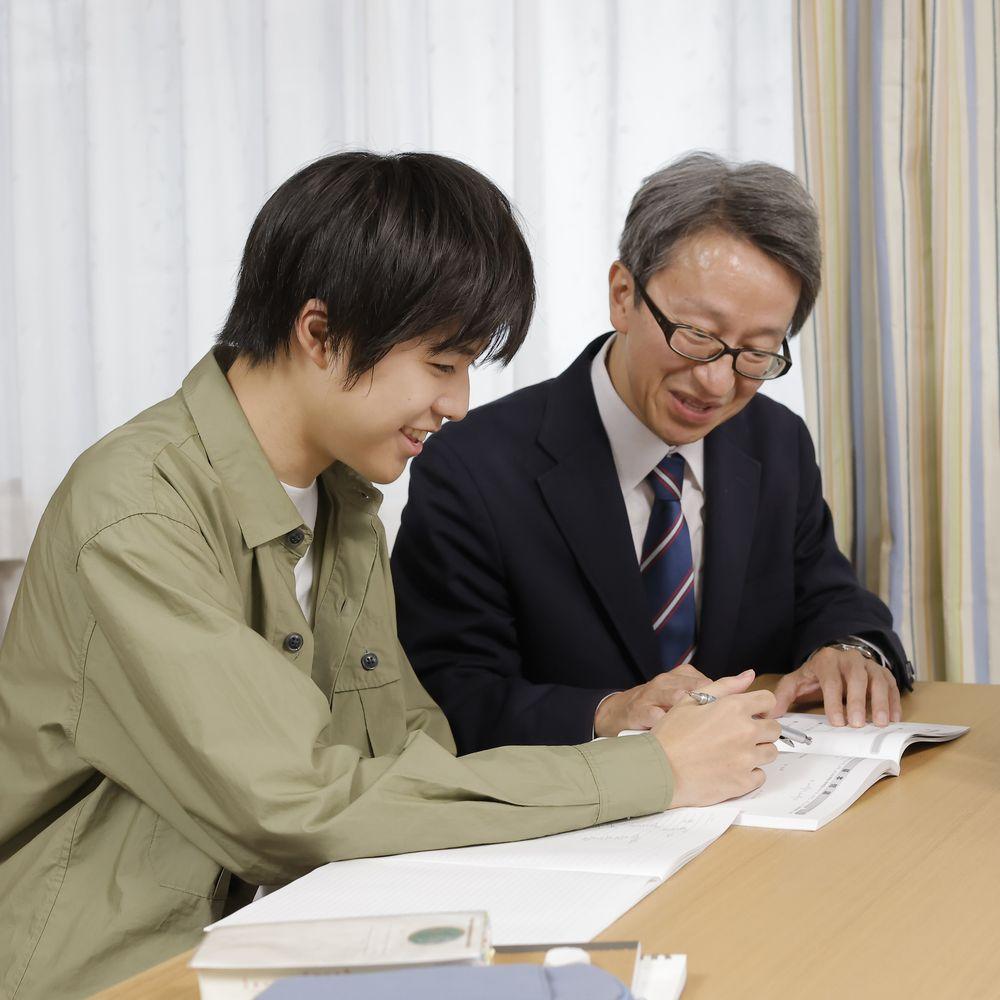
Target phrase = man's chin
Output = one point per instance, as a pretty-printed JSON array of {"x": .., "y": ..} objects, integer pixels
[{"x": 675, "y": 434}]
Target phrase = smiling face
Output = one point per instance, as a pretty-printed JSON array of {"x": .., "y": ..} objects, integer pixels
[
  {"x": 381, "y": 421},
  {"x": 716, "y": 282},
  {"x": 306, "y": 413}
]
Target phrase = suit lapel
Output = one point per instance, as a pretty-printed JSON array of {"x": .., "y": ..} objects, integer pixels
[
  {"x": 732, "y": 484},
  {"x": 584, "y": 497}
]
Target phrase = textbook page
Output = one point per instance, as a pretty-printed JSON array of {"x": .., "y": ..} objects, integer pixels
[
  {"x": 805, "y": 791},
  {"x": 886, "y": 742},
  {"x": 650, "y": 846},
  {"x": 808, "y": 786},
  {"x": 526, "y": 906}
]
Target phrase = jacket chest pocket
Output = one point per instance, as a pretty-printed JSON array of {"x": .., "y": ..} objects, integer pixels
[
  {"x": 385, "y": 718},
  {"x": 373, "y": 674},
  {"x": 178, "y": 864}
]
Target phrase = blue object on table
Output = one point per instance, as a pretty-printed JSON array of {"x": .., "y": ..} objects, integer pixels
[{"x": 456, "y": 982}]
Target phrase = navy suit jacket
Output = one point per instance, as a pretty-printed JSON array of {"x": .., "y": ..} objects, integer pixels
[{"x": 519, "y": 598}]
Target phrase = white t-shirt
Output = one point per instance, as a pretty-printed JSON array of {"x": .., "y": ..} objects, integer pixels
[{"x": 306, "y": 500}]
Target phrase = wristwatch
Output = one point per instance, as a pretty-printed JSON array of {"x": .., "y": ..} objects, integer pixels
[
  {"x": 846, "y": 645},
  {"x": 904, "y": 674}
]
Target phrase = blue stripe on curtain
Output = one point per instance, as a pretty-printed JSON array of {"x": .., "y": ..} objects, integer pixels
[
  {"x": 904, "y": 220},
  {"x": 980, "y": 640},
  {"x": 889, "y": 413},
  {"x": 857, "y": 367}
]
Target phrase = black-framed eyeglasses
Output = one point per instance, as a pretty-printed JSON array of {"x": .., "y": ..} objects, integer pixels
[{"x": 697, "y": 345}]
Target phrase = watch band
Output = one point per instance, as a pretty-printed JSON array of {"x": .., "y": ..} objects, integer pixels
[{"x": 847, "y": 646}]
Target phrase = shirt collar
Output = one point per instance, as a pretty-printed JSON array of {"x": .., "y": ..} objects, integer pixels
[
  {"x": 634, "y": 447},
  {"x": 263, "y": 508}
]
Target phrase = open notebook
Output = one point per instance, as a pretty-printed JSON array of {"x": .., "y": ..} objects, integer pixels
[
  {"x": 807, "y": 786},
  {"x": 558, "y": 889}
]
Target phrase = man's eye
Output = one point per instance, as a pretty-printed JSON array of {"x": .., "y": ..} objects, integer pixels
[
  {"x": 698, "y": 336},
  {"x": 444, "y": 369}
]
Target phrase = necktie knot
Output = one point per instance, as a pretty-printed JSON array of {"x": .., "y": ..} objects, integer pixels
[{"x": 667, "y": 478}]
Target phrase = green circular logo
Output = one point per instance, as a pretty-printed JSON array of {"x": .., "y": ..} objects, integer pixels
[{"x": 436, "y": 935}]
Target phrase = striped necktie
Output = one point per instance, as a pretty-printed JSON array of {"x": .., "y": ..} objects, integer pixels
[{"x": 666, "y": 566}]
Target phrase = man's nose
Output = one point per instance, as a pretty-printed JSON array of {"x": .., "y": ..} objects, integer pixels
[{"x": 717, "y": 377}]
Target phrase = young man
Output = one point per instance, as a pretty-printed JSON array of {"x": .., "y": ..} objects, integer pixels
[
  {"x": 575, "y": 557},
  {"x": 201, "y": 676}
]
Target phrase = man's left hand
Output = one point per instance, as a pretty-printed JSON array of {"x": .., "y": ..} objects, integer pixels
[{"x": 844, "y": 678}]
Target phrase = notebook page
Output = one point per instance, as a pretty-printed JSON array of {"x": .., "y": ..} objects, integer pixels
[
  {"x": 886, "y": 742},
  {"x": 651, "y": 846},
  {"x": 525, "y": 906}
]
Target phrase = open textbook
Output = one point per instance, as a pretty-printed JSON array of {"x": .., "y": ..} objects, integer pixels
[
  {"x": 807, "y": 786},
  {"x": 558, "y": 889}
]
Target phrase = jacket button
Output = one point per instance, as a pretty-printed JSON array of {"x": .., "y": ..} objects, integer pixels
[
  {"x": 293, "y": 642},
  {"x": 295, "y": 537},
  {"x": 369, "y": 661}
]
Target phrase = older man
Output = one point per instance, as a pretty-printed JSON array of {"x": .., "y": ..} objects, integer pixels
[{"x": 578, "y": 554}]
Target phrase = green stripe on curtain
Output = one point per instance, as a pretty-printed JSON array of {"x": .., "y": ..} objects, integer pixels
[{"x": 898, "y": 139}]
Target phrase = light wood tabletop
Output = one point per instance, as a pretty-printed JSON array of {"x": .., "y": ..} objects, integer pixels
[{"x": 897, "y": 898}]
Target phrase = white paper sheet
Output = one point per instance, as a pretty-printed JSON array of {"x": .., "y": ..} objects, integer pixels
[
  {"x": 525, "y": 906},
  {"x": 650, "y": 846}
]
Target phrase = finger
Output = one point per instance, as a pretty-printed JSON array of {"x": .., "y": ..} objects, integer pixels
[
  {"x": 757, "y": 778},
  {"x": 857, "y": 692},
  {"x": 756, "y": 703},
  {"x": 832, "y": 685},
  {"x": 895, "y": 704},
  {"x": 767, "y": 731},
  {"x": 766, "y": 753},
  {"x": 729, "y": 685},
  {"x": 878, "y": 688},
  {"x": 785, "y": 693}
]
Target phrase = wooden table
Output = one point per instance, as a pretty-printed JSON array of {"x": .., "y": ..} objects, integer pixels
[{"x": 897, "y": 898}]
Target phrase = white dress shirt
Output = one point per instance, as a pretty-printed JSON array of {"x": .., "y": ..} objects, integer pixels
[{"x": 636, "y": 451}]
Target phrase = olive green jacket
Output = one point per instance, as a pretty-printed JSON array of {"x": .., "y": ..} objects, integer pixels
[{"x": 168, "y": 717}]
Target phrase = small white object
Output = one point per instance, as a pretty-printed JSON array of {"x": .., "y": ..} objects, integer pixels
[
  {"x": 566, "y": 956},
  {"x": 660, "y": 977}
]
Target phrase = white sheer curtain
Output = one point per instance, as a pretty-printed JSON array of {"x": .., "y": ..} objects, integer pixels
[{"x": 137, "y": 141}]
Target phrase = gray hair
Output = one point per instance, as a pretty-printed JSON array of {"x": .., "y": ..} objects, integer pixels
[{"x": 759, "y": 202}]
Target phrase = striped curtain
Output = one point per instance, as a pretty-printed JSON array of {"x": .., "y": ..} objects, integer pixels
[{"x": 898, "y": 137}]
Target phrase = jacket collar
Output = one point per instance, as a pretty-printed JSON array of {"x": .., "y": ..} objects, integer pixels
[
  {"x": 262, "y": 506},
  {"x": 584, "y": 496}
]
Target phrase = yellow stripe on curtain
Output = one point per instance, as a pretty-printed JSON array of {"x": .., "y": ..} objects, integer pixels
[{"x": 898, "y": 138}]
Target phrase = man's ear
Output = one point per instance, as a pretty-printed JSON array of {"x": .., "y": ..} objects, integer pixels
[
  {"x": 311, "y": 333},
  {"x": 621, "y": 296}
]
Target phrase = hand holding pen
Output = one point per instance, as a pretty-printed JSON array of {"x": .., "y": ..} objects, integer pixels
[{"x": 789, "y": 736}]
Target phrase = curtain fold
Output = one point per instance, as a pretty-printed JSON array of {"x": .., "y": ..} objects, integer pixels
[
  {"x": 138, "y": 140},
  {"x": 897, "y": 138}
]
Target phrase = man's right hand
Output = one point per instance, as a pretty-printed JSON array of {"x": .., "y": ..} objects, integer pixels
[
  {"x": 644, "y": 705},
  {"x": 716, "y": 750}
]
